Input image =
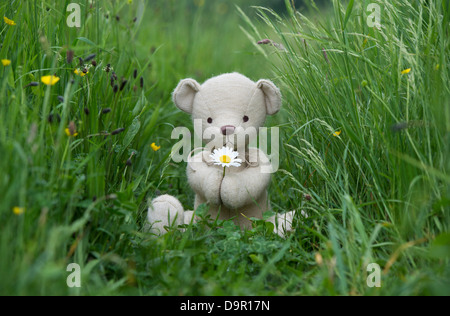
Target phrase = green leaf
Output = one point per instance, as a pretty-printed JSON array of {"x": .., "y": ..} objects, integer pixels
[
  {"x": 131, "y": 134},
  {"x": 258, "y": 259},
  {"x": 87, "y": 41},
  {"x": 440, "y": 249},
  {"x": 268, "y": 214},
  {"x": 11, "y": 79},
  {"x": 139, "y": 105},
  {"x": 348, "y": 12},
  {"x": 153, "y": 120},
  {"x": 202, "y": 210},
  {"x": 269, "y": 227}
]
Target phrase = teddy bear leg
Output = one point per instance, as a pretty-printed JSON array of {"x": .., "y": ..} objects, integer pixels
[
  {"x": 164, "y": 211},
  {"x": 283, "y": 222},
  {"x": 188, "y": 217}
]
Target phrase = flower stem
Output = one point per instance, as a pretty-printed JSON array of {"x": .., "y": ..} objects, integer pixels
[{"x": 223, "y": 176}]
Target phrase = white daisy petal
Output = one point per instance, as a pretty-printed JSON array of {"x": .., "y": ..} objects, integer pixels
[{"x": 226, "y": 157}]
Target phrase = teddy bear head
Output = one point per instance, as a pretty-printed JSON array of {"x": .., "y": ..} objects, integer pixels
[{"x": 227, "y": 106}]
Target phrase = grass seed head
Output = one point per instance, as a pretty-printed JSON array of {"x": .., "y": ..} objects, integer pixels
[
  {"x": 72, "y": 127},
  {"x": 69, "y": 56},
  {"x": 264, "y": 41},
  {"x": 124, "y": 83},
  {"x": 53, "y": 118},
  {"x": 90, "y": 57},
  {"x": 325, "y": 55},
  {"x": 117, "y": 131}
]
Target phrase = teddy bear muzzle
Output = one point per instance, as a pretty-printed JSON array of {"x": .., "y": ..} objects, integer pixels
[{"x": 227, "y": 129}]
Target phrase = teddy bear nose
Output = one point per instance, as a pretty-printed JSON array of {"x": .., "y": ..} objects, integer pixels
[{"x": 227, "y": 129}]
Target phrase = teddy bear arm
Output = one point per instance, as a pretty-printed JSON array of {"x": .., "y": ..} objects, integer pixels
[
  {"x": 205, "y": 181},
  {"x": 243, "y": 188}
]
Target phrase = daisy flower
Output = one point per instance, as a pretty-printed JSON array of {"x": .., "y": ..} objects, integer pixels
[{"x": 226, "y": 157}]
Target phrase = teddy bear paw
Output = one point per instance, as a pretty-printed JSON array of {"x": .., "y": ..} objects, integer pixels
[
  {"x": 283, "y": 222},
  {"x": 164, "y": 211}
]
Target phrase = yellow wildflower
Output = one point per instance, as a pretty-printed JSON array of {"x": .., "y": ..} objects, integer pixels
[
  {"x": 154, "y": 147},
  {"x": 8, "y": 21},
  {"x": 6, "y": 62},
  {"x": 406, "y": 71},
  {"x": 68, "y": 133},
  {"x": 71, "y": 131},
  {"x": 50, "y": 80},
  {"x": 80, "y": 73},
  {"x": 18, "y": 210},
  {"x": 337, "y": 133}
]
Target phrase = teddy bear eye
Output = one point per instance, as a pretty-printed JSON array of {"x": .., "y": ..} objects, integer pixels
[
  {"x": 210, "y": 120},
  {"x": 245, "y": 118}
]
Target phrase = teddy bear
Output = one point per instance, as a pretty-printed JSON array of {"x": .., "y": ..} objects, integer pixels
[{"x": 228, "y": 106}]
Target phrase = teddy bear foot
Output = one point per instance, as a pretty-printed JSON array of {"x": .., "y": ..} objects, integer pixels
[
  {"x": 283, "y": 222},
  {"x": 164, "y": 211}
]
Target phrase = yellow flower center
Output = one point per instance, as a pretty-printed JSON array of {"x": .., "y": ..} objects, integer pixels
[{"x": 225, "y": 159}]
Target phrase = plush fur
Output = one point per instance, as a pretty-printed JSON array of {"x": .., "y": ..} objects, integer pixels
[{"x": 227, "y": 105}]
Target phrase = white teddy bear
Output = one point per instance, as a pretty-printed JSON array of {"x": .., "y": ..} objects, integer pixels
[{"x": 228, "y": 106}]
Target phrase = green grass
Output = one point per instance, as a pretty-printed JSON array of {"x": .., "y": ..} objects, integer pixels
[{"x": 379, "y": 191}]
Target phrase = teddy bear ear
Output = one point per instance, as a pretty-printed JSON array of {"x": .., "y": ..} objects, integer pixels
[
  {"x": 184, "y": 93},
  {"x": 272, "y": 96}
]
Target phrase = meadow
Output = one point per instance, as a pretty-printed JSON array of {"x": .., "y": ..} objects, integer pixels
[{"x": 85, "y": 123}]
